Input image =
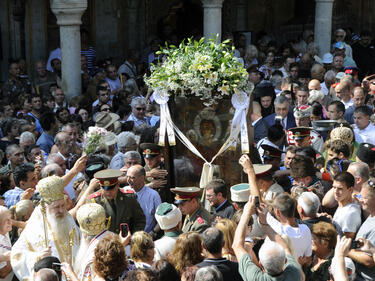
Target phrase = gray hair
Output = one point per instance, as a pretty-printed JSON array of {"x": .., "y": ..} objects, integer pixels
[
  {"x": 330, "y": 74},
  {"x": 208, "y": 273},
  {"x": 3, "y": 210},
  {"x": 361, "y": 170},
  {"x": 313, "y": 47},
  {"x": 272, "y": 257},
  {"x": 340, "y": 30},
  {"x": 51, "y": 159},
  {"x": 309, "y": 202},
  {"x": 25, "y": 136},
  {"x": 280, "y": 100},
  {"x": 133, "y": 155},
  {"x": 131, "y": 87},
  {"x": 124, "y": 138},
  {"x": 10, "y": 149},
  {"x": 138, "y": 101},
  {"x": 52, "y": 169}
]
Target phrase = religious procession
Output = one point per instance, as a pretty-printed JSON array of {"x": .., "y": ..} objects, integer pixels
[{"x": 213, "y": 156}]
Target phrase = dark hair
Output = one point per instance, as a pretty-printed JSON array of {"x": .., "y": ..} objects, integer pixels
[
  {"x": 275, "y": 133},
  {"x": 285, "y": 204},
  {"x": 306, "y": 151},
  {"x": 339, "y": 146},
  {"x": 59, "y": 110},
  {"x": 213, "y": 240},
  {"x": 302, "y": 166},
  {"x": 47, "y": 120},
  {"x": 9, "y": 124},
  {"x": 218, "y": 185},
  {"x": 21, "y": 171},
  {"x": 317, "y": 109},
  {"x": 291, "y": 149},
  {"x": 166, "y": 271},
  {"x": 340, "y": 107},
  {"x": 338, "y": 165},
  {"x": 363, "y": 109},
  {"x": 142, "y": 274},
  {"x": 27, "y": 150},
  {"x": 346, "y": 178},
  {"x": 294, "y": 64},
  {"x": 47, "y": 262}
]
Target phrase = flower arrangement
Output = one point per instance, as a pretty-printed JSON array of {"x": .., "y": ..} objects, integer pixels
[
  {"x": 207, "y": 70},
  {"x": 93, "y": 139}
]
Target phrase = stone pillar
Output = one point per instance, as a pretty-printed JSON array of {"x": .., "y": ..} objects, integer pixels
[
  {"x": 323, "y": 25},
  {"x": 212, "y": 18},
  {"x": 241, "y": 20},
  {"x": 132, "y": 24},
  {"x": 68, "y": 14}
]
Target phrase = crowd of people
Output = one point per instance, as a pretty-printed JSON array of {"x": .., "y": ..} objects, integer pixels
[{"x": 306, "y": 213}]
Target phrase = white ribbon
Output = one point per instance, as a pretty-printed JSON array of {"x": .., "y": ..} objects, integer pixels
[
  {"x": 162, "y": 98},
  {"x": 240, "y": 102}
]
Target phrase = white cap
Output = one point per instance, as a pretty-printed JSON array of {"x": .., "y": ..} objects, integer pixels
[
  {"x": 327, "y": 58},
  {"x": 240, "y": 192},
  {"x": 168, "y": 216}
]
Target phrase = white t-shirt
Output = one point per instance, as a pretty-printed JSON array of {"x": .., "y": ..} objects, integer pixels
[
  {"x": 5, "y": 246},
  {"x": 300, "y": 236},
  {"x": 348, "y": 217},
  {"x": 366, "y": 135}
]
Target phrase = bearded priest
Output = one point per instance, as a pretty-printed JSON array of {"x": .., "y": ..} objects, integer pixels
[{"x": 50, "y": 231}]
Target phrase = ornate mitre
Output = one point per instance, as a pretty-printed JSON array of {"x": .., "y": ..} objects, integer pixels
[
  {"x": 51, "y": 189},
  {"x": 342, "y": 133},
  {"x": 91, "y": 218}
]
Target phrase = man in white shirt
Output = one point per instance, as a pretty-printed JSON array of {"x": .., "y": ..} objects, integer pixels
[
  {"x": 364, "y": 129},
  {"x": 113, "y": 79},
  {"x": 343, "y": 92},
  {"x": 299, "y": 234},
  {"x": 348, "y": 213}
]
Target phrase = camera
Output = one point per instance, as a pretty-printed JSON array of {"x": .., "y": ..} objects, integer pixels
[{"x": 355, "y": 244}]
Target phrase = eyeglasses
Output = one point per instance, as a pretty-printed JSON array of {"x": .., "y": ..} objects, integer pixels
[{"x": 140, "y": 108}]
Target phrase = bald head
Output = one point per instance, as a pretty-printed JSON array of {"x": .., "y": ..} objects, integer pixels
[
  {"x": 46, "y": 274},
  {"x": 314, "y": 84},
  {"x": 136, "y": 177}
]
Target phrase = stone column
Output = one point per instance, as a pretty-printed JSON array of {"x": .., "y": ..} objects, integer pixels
[
  {"x": 323, "y": 25},
  {"x": 212, "y": 18},
  {"x": 132, "y": 24},
  {"x": 68, "y": 14},
  {"x": 241, "y": 21}
]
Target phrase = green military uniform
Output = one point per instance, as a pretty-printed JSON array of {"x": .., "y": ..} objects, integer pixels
[
  {"x": 199, "y": 221},
  {"x": 123, "y": 209},
  {"x": 150, "y": 150}
]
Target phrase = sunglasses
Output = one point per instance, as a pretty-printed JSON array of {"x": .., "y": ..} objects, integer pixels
[
  {"x": 106, "y": 109},
  {"x": 140, "y": 108}
]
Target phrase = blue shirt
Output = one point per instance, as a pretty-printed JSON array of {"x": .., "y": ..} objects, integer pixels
[
  {"x": 13, "y": 196},
  {"x": 45, "y": 142},
  {"x": 117, "y": 161},
  {"x": 149, "y": 200}
]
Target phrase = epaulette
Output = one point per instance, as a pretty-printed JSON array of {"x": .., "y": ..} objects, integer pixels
[
  {"x": 95, "y": 194},
  {"x": 200, "y": 219}
]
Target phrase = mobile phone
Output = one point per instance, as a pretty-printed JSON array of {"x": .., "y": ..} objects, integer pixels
[
  {"x": 56, "y": 266},
  {"x": 124, "y": 229},
  {"x": 257, "y": 204},
  {"x": 355, "y": 244}
]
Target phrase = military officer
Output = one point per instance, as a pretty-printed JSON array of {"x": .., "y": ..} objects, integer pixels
[
  {"x": 197, "y": 218},
  {"x": 156, "y": 175},
  {"x": 118, "y": 205}
]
